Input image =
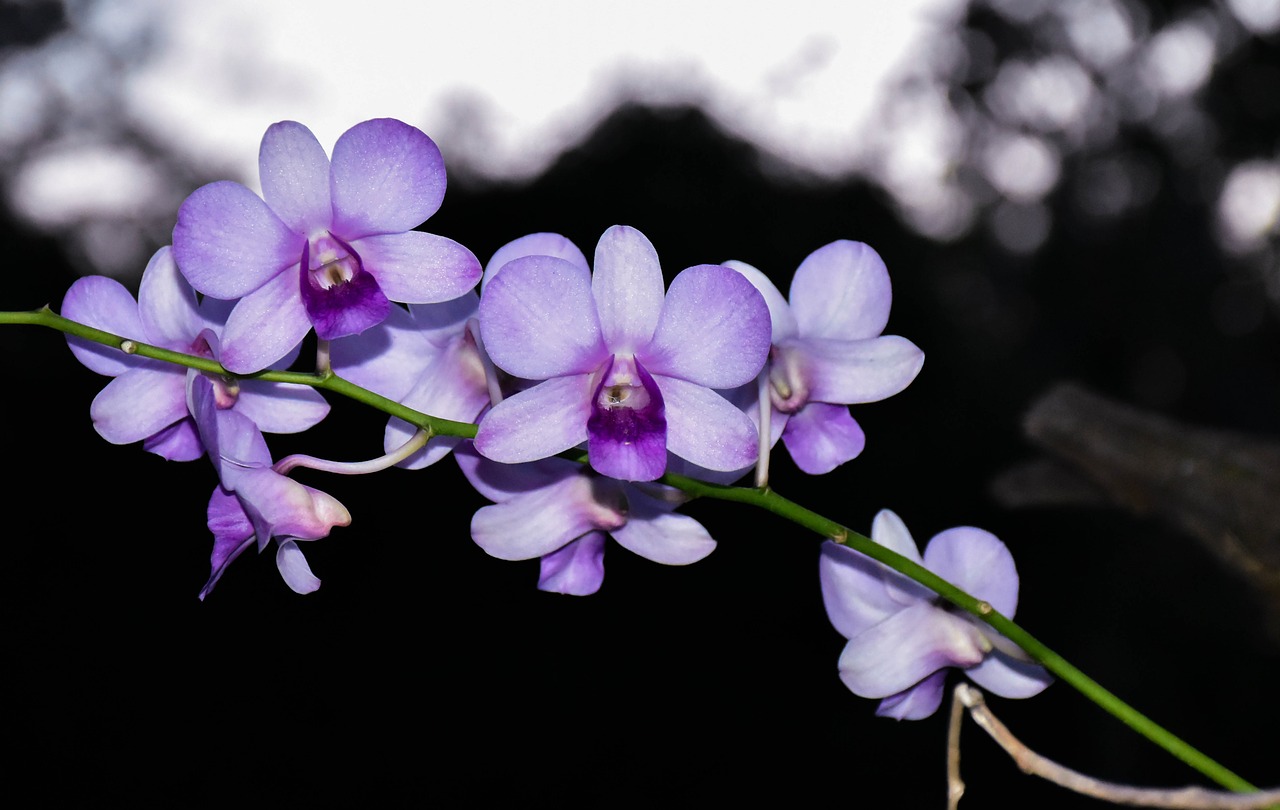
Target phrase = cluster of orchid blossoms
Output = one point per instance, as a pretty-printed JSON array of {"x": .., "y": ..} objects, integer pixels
[{"x": 547, "y": 353}]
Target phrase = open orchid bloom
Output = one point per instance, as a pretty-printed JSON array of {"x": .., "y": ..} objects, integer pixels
[
  {"x": 903, "y": 637},
  {"x": 828, "y": 352},
  {"x": 618, "y": 364},
  {"x": 561, "y": 512},
  {"x": 148, "y": 399},
  {"x": 329, "y": 244}
]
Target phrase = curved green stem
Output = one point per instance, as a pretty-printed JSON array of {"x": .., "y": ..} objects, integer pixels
[{"x": 762, "y": 498}]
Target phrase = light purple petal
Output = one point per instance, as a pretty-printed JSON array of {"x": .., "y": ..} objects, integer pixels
[
  {"x": 388, "y": 177},
  {"x": 821, "y": 437},
  {"x": 140, "y": 403},
  {"x": 1006, "y": 677},
  {"x": 888, "y": 530},
  {"x": 841, "y": 291},
  {"x": 975, "y": 561},
  {"x": 178, "y": 442},
  {"x": 782, "y": 320},
  {"x": 854, "y": 371},
  {"x": 535, "y": 244},
  {"x": 419, "y": 268},
  {"x": 906, "y": 648},
  {"x": 539, "y": 422},
  {"x": 228, "y": 242},
  {"x": 105, "y": 304},
  {"x": 452, "y": 387},
  {"x": 292, "y": 509},
  {"x": 575, "y": 570},
  {"x": 231, "y": 439},
  {"x": 295, "y": 177},
  {"x": 293, "y": 567},
  {"x": 264, "y": 326},
  {"x": 444, "y": 321},
  {"x": 539, "y": 522},
  {"x": 388, "y": 358},
  {"x": 501, "y": 482},
  {"x": 627, "y": 286},
  {"x": 538, "y": 320},
  {"x": 853, "y": 590},
  {"x": 281, "y": 407},
  {"x": 167, "y": 304},
  {"x": 704, "y": 427},
  {"x": 232, "y": 534},
  {"x": 714, "y": 329},
  {"x": 916, "y": 703},
  {"x": 663, "y": 536}
]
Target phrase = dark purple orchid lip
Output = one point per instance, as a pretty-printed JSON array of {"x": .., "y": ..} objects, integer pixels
[
  {"x": 340, "y": 296},
  {"x": 627, "y": 429}
]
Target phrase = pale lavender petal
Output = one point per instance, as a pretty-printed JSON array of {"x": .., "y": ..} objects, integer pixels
[
  {"x": 821, "y": 437},
  {"x": 916, "y": 703},
  {"x": 539, "y": 522},
  {"x": 538, "y": 320},
  {"x": 292, "y": 509},
  {"x": 704, "y": 427},
  {"x": 535, "y": 244},
  {"x": 387, "y": 177},
  {"x": 780, "y": 315},
  {"x": 443, "y": 321},
  {"x": 853, "y": 371},
  {"x": 167, "y": 304},
  {"x": 907, "y": 647},
  {"x": 1004, "y": 676},
  {"x": 853, "y": 590},
  {"x": 976, "y": 561},
  {"x": 388, "y": 358},
  {"x": 419, "y": 268},
  {"x": 663, "y": 536},
  {"x": 228, "y": 242},
  {"x": 178, "y": 442},
  {"x": 888, "y": 530},
  {"x": 452, "y": 387},
  {"x": 627, "y": 286},
  {"x": 501, "y": 482},
  {"x": 841, "y": 291},
  {"x": 295, "y": 177},
  {"x": 105, "y": 304},
  {"x": 281, "y": 407},
  {"x": 232, "y": 534},
  {"x": 293, "y": 567},
  {"x": 575, "y": 570},
  {"x": 265, "y": 326},
  {"x": 539, "y": 422},
  {"x": 714, "y": 329},
  {"x": 231, "y": 439},
  {"x": 140, "y": 403},
  {"x": 627, "y": 429}
]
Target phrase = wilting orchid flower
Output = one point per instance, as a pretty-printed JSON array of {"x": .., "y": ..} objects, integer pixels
[
  {"x": 329, "y": 244},
  {"x": 621, "y": 367},
  {"x": 561, "y": 511},
  {"x": 828, "y": 352},
  {"x": 902, "y": 636},
  {"x": 148, "y": 399}
]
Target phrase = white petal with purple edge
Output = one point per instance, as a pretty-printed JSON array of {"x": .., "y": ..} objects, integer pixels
[
  {"x": 841, "y": 291},
  {"x": 627, "y": 286},
  {"x": 140, "y": 403},
  {"x": 293, "y": 567},
  {"x": 265, "y": 326},
  {"x": 976, "y": 561},
  {"x": 783, "y": 321},
  {"x": 704, "y": 427},
  {"x": 575, "y": 570},
  {"x": 852, "y": 590},
  {"x": 714, "y": 329},
  {"x": 541, "y": 521},
  {"x": 294, "y": 171},
  {"x": 1003, "y": 676},
  {"x": 821, "y": 437},
  {"x": 535, "y": 244},
  {"x": 544, "y": 420},
  {"x": 281, "y": 407},
  {"x": 387, "y": 177},
  {"x": 854, "y": 371},
  {"x": 167, "y": 304},
  {"x": 105, "y": 304},
  {"x": 418, "y": 268},
  {"x": 907, "y": 647}
]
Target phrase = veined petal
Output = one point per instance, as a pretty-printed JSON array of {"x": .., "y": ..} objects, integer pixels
[
  {"x": 627, "y": 286},
  {"x": 780, "y": 315},
  {"x": 976, "y": 561},
  {"x": 419, "y": 268},
  {"x": 1007, "y": 677},
  {"x": 140, "y": 403},
  {"x": 281, "y": 407},
  {"x": 853, "y": 371},
  {"x": 294, "y": 569},
  {"x": 535, "y": 244},
  {"x": 546, "y": 419},
  {"x": 228, "y": 242},
  {"x": 704, "y": 427},
  {"x": 167, "y": 304},
  {"x": 577, "y": 569},
  {"x": 661, "y": 535},
  {"x": 906, "y": 648},
  {"x": 853, "y": 590},
  {"x": 294, "y": 171},
  {"x": 543, "y": 520},
  {"x": 841, "y": 291},
  {"x": 538, "y": 320},
  {"x": 387, "y": 177},
  {"x": 916, "y": 703},
  {"x": 265, "y": 326},
  {"x": 105, "y": 304},
  {"x": 714, "y": 329},
  {"x": 821, "y": 437}
]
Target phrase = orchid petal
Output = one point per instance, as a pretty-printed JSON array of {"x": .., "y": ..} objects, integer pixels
[
  {"x": 627, "y": 439},
  {"x": 888, "y": 530},
  {"x": 291, "y": 508},
  {"x": 627, "y": 287},
  {"x": 140, "y": 403},
  {"x": 577, "y": 569},
  {"x": 105, "y": 304},
  {"x": 443, "y": 321},
  {"x": 544, "y": 420},
  {"x": 853, "y": 590},
  {"x": 501, "y": 482},
  {"x": 294, "y": 171},
  {"x": 783, "y": 321},
  {"x": 177, "y": 442},
  {"x": 1004, "y": 676},
  {"x": 451, "y": 387},
  {"x": 232, "y": 534},
  {"x": 821, "y": 437},
  {"x": 293, "y": 567},
  {"x": 841, "y": 291},
  {"x": 661, "y": 535},
  {"x": 916, "y": 703},
  {"x": 535, "y": 244},
  {"x": 907, "y": 647},
  {"x": 544, "y": 520},
  {"x": 854, "y": 371},
  {"x": 387, "y": 177},
  {"x": 167, "y": 304},
  {"x": 379, "y": 357},
  {"x": 264, "y": 326},
  {"x": 344, "y": 309},
  {"x": 281, "y": 407},
  {"x": 976, "y": 561},
  {"x": 704, "y": 428},
  {"x": 419, "y": 268}
]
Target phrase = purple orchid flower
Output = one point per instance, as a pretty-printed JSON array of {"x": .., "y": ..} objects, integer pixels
[
  {"x": 828, "y": 352},
  {"x": 253, "y": 501},
  {"x": 329, "y": 244},
  {"x": 903, "y": 637},
  {"x": 148, "y": 399},
  {"x": 562, "y": 512},
  {"x": 618, "y": 365}
]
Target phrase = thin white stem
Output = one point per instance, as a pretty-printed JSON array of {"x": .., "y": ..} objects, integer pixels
[{"x": 415, "y": 443}]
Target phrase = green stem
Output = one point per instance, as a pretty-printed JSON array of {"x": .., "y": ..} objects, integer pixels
[{"x": 763, "y": 498}]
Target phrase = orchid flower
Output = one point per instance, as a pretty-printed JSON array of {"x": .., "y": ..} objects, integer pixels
[
  {"x": 329, "y": 244},
  {"x": 828, "y": 352},
  {"x": 561, "y": 511},
  {"x": 902, "y": 637},
  {"x": 148, "y": 399},
  {"x": 618, "y": 365}
]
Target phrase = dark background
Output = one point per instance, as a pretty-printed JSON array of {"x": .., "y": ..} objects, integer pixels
[{"x": 424, "y": 670}]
